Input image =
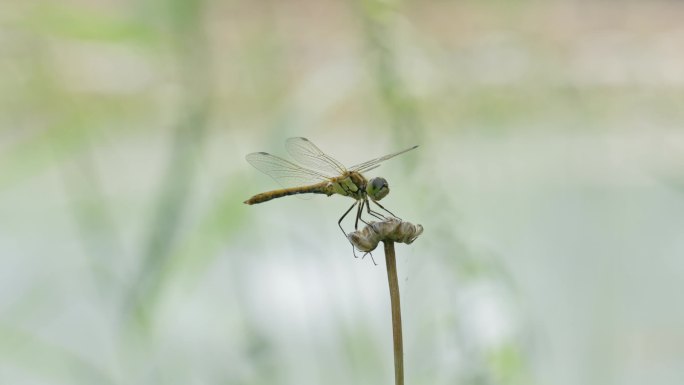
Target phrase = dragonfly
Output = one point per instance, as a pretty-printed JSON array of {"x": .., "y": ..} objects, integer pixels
[{"x": 315, "y": 172}]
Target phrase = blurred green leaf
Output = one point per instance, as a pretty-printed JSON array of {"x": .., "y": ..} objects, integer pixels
[
  {"x": 47, "y": 361},
  {"x": 56, "y": 19}
]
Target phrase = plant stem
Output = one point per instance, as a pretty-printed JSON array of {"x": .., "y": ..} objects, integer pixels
[{"x": 391, "y": 261}]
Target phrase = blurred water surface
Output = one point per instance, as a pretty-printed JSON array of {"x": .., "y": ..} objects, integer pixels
[{"x": 549, "y": 183}]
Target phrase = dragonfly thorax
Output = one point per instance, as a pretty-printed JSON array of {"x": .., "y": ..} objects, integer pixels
[
  {"x": 351, "y": 184},
  {"x": 356, "y": 186}
]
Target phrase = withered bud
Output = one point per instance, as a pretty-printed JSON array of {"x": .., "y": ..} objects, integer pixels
[{"x": 391, "y": 229}]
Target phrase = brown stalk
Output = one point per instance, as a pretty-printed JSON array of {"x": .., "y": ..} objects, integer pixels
[
  {"x": 388, "y": 232},
  {"x": 391, "y": 262}
]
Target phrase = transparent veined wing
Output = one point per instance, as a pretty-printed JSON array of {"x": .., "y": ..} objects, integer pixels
[
  {"x": 373, "y": 163},
  {"x": 308, "y": 155},
  {"x": 286, "y": 173}
]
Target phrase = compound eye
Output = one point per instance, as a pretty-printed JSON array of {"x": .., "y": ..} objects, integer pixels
[
  {"x": 378, "y": 188},
  {"x": 379, "y": 183}
]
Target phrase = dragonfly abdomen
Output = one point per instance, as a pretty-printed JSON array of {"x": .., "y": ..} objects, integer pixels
[{"x": 321, "y": 188}]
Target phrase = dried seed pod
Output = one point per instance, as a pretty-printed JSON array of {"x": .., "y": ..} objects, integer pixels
[{"x": 391, "y": 229}]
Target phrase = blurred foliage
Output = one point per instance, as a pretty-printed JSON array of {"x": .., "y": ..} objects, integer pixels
[{"x": 546, "y": 181}]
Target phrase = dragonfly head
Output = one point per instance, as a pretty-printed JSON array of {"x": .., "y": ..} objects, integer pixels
[{"x": 377, "y": 188}]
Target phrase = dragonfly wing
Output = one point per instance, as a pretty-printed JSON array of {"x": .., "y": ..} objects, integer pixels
[
  {"x": 373, "y": 163},
  {"x": 307, "y": 154},
  {"x": 286, "y": 173}
]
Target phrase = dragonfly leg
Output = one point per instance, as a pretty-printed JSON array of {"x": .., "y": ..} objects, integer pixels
[
  {"x": 371, "y": 255},
  {"x": 359, "y": 211},
  {"x": 373, "y": 213},
  {"x": 382, "y": 207},
  {"x": 339, "y": 223}
]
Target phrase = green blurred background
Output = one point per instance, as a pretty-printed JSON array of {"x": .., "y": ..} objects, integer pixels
[{"x": 549, "y": 181}]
